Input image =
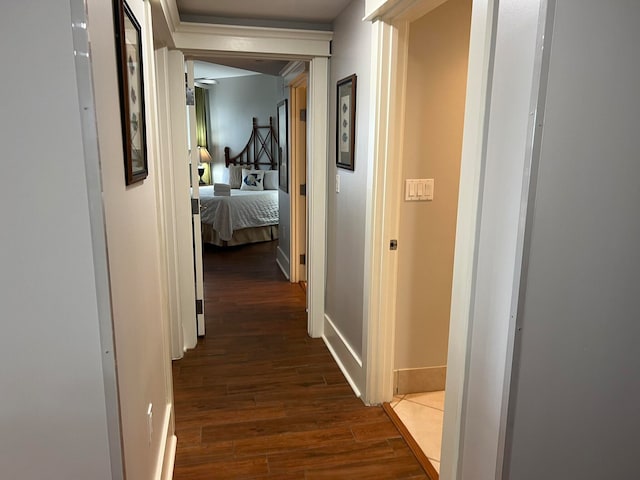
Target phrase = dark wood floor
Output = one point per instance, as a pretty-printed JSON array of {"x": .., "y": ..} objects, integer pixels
[{"x": 258, "y": 398}]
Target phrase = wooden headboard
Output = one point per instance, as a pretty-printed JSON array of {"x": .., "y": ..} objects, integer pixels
[{"x": 261, "y": 149}]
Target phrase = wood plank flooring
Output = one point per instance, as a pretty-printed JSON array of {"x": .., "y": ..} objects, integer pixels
[{"x": 259, "y": 399}]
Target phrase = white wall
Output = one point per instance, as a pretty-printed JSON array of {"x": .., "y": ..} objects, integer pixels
[
  {"x": 233, "y": 102},
  {"x": 52, "y": 397},
  {"x": 575, "y": 394},
  {"x": 436, "y": 86},
  {"x": 346, "y": 210},
  {"x": 137, "y": 293}
]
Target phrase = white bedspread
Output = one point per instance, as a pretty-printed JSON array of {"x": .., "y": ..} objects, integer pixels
[{"x": 243, "y": 209}]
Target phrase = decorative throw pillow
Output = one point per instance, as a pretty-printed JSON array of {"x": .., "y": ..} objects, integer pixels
[
  {"x": 252, "y": 179},
  {"x": 235, "y": 176},
  {"x": 270, "y": 179}
]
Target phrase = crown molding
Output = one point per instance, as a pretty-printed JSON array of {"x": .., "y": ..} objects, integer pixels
[
  {"x": 392, "y": 11},
  {"x": 200, "y": 38},
  {"x": 254, "y": 32}
]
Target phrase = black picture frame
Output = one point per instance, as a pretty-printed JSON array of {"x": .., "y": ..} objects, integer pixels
[
  {"x": 283, "y": 145},
  {"x": 128, "y": 38},
  {"x": 346, "y": 122}
]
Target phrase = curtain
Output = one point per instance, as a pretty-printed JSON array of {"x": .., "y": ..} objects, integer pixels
[{"x": 201, "y": 117}]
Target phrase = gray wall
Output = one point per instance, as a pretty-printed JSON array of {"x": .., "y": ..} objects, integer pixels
[
  {"x": 53, "y": 417},
  {"x": 233, "y": 102},
  {"x": 575, "y": 396},
  {"x": 346, "y": 210}
]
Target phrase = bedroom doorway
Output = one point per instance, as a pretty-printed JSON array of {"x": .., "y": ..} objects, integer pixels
[{"x": 299, "y": 204}]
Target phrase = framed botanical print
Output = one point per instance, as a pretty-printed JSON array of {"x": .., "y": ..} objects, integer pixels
[
  {"x": 128, "y": 36},
  {"x": 346, "y": 123}
]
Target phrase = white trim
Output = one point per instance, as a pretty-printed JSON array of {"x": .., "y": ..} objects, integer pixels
[
  {"x": 153, "y": 97},
  {"x": 255, "y": 33},
  {"x": 162, "y": 459},
  {"x": 532, "y": 155},
  {"x": 292, "y": 71},
  {"x": 172, "y": 446},
  {"x": 200, "y": 38},
  {"x": 181, "y": 221},
  {"x": 344, "y": 341},
  {"x": 402, "y": 10},
  {"x": 169, "y": 13},
  {"x": 317, "y": 191},
  {"x": 166, "y": 203},
  {"x": 282, "y": 262},
  {"x": 195, "y": 195},
  {"x": 348, "y": 361},
  {"x": 93, "y": 175},
  {"x": 464, "y": 264},
  {"x": 387, "y": 93},
  {"x": 204, "y": 39}
]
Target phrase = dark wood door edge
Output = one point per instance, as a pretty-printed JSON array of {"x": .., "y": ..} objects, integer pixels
[{"x": 423, "y": 460}]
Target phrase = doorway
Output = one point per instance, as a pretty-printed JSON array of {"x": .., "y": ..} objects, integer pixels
[
  {"x": 299, "y": 205},
  {"x": 436, "y": 77},
  {"x": 391, "y": 52}
]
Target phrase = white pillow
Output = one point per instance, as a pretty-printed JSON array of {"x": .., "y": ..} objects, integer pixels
[
  {"x": 252, "y": 179},
  {"x": 271, "y": 180},
  {"x": 235, "y": 176}
]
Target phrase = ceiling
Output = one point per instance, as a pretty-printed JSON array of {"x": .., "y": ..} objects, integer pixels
[
  {"x": 299, "y": 14},
  {"x": 311, "y": 14},
  {"x": 226, "y": 67}
]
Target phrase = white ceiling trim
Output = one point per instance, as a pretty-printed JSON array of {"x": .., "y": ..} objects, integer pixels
[
  {"x": 401, "y": 10},
  {"x": 202, "y": 39},
  {"x": 194, "y": 39},
  {"x": 170, "y": 10},
  {"x": 263, "y": 32}
]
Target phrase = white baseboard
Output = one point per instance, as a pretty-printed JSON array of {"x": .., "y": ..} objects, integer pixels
[
  {"x": 346, "y": 358},
  {"x": 283, "y": 262},
  {"x": 417, "y": 380},
  {"x": 167, "y": 449},
  {"x": 170, "y": 458}
]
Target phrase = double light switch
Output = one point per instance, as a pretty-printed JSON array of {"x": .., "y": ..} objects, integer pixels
[{"x": 417, "y": 189}]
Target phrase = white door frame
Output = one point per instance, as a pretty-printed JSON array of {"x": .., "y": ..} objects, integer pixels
[
  {"x": 195, "y": 195},
  {"x": 202, "y": 40},
  {"x": 174, "y": 201},
  {"x": 389, "y": 69}
]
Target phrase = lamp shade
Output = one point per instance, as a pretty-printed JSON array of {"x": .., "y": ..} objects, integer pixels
[{"x": 205, "y": 156}]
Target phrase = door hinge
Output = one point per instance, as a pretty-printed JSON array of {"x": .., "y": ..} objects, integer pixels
[
  {"x": 195, "y": 206},
  {"x": 393, "y": 245},
  {"x": 303, "y": 259},
  {"x": 303, "y": 115},
  {"x": 199, "y": 307},
  {"x": 303, "y": 189}
]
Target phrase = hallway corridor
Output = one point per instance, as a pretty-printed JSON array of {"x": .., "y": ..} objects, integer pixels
[{"x": 258, "y": 398}]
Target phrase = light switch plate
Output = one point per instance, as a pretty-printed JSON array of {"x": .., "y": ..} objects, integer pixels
[
  {"x": 418, "y": 189},
  {"x": 428, "y": 189}
]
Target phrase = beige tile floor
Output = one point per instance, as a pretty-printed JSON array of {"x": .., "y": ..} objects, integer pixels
[{"x": 422, "y": 414}]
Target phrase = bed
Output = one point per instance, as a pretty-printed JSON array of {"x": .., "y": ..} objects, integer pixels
[{"x": 250, "y": 213}]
